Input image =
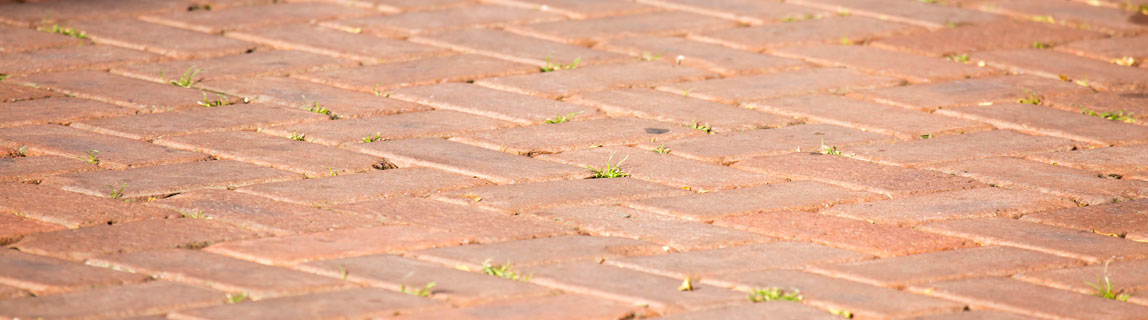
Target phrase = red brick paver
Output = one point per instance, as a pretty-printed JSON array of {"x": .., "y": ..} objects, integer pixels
[{"x": 572, "y": 159}]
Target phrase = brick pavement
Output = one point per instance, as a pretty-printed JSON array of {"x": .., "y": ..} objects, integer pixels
[{"x": 573, "y": 159}]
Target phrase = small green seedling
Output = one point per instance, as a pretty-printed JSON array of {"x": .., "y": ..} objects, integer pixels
[
  {"x": 829, "y": 150},
  {"x": 1030, "y": 98},
  {"x": 1041, "y": 45},
  {"x": 844, "y": 13},
  {"x": 649, "y": 56},
  {"x": 424, "y": 292},
  {"x": 558, "y": 118},
  {"x": 807, "y": 16},
  {"x": 207, "y": 103},
  {"x": 842, "y": 312},
  {"x": 502, "y": 271},
  {"x": 703, "y": 127},
  {"x": 187, "y": 79},
  {"x": 687, "y": 285},
  {"x": 197, "y": 215},
  {"x": 3, "y": 76},
  {"x": 611, "y": 170},
  {"x": 928, "y": 1},
  {"x": 927, "y": 136},
  {"x": 117, "y": 193},
  {"x": 93, "y": 157},
  {"x": 343, "y": 272},
  {"x": 846, "y": 41},
  {"x": 774, "y": 294},
  {"x": 550, "y": 66},
  {"x": 298, "y": 136},
  {"x": 963, "y": 57},
  {"x": 1104, "y": 287},
  {"x": 378, "y": 90},
  {"x": 1121, "y": 115},
  {"x": 1045, "y": 19},
  {"x": 315, "y": 107},
  {"x": 377, "y": 137},
  {"x": 71, "y": 32},
  {"x": 22, "y": 151},
  {"x": 237, "y": 297},
  {"x": 662, "y": 149}
]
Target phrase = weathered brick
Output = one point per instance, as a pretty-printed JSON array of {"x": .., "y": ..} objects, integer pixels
[
  {"x": 945, "y": 265},
  {"x": 960, "y": 204},
  {"x": 1048, "y": 121},
  {"x": 399, "y": 274},
  {"x": 928, "y": 15},
  {"x": 85, "y": 243},
  {"x": 155, "y": 297},
  {"x": 204, "y": 120},
  {"x": 454, "y": 68},
  {"x": 780, "y": 309},
  {"x": 434, "y": 123},
  {"x": 160, "y": 39},
  {"x": 524, "y": 253},
  {"x": 614, "y": 221},
  {"x": 251, "y": 17},
  {"x": 906, "y": 66},
  {"x": 43, "y": 275},
  {"x": 1082, "y": 186},
  {"x": 258, "y": 63},
  {"x": 99, "y": 150},
  {"x": 32, "y": 14},
  {"x": 1119, "y": 219},
  {"x": 1078, "y": 14},
  {"x": 711, "y": 57},
  {"x": 69, "y": 209},
  {"x": 14, "y": 227},
  {"x": 293, "y": 249},
  {"x": 1000, "y": 34},
  {"x": 1126, "y": 277},
  {"x": 660, "y": 168},
  {"x": 793, "y": 83},
  {"x": 866, "y": 116},
  {"x": 414, "y": 5},
  {"x": 756, "y": 257},
  {"x": 706, "y": 207},
  {"x": 863, "y": 301},
  {"x": 118, "y": 90},
  {"x": 259, "y": 213},
  {"x": 516, "y": 198},
  {"x": 983, "y": 314},
  {"x": 595, "y": 78},
  {"x": 554, "y": 138},
  {"x": 746, "y": 11},
  {"x": 14, "y": 93},
  {"x": 498, "y": 167},
  {"x": 875, "y": 239},
  {"x": 168, "y": 179},
  {"x": 891, "y": 181},
  {"x": 275, "y": 152},
  {"x": 580, "y": 9},
  {"x": 8, "y": 292},
  {"x": 590, "y": 31},
  {"x": 1109, "y": 49},
  {"x": 1070, "y": 243},
  {"x": 509, "y": 46},
  {"x": 1031, "y": 300},
  {"x": 14, "y": 39},
  {"x": 70, "y": 58},
  {"x": 631, "y": 286},
  {"x": 432, "y": 21},
  {"x": 833, "y": 30},
  {"x": 669, "y": 107},
  {"x": 359, "y": 303},
  {"x": 932, "y": 96},
  {"x": 61, "y": 110},
  {"x": 737, "y": 146},
  {"x": 307, "y": 95},
  {"x": 558, "y": 307},
  {"x": 370, "y": 185},
  {"x": 1056, "y": 65},
  {"x": 218, "y": 272},
  {"x": 324, "y": 41},
  {"x": 1131, "y": 104},
  {"x": 31, "y": 168},
  {"x": 498, "y": 104},
  {"x": 967, "y": 146},
  {"x": 481, "y": 225}
]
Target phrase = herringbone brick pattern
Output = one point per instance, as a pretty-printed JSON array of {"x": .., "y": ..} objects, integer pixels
[{"x": 573, "y": 159}]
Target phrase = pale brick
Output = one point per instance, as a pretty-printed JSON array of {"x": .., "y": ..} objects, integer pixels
[
  {"x": 906, "y": 66},
  {"x": 946, "y": 265},
  {"x": 929, "y": 15},
  {"x": 580, "y": 9},
  {"x": 590, "y": 31},
  {"x": 256, "y": 64},
  {"x": 251, "y": 17},
  {"x": 711, "y": 57},
  {"x": 13, "y": 228},
  {"x": 1056, "y": 65},
  {"x": 782, "y": 309},
  {"x": 156, "y": 297},
  {"x": 160, "y": 39},
  {"x": 960, "y": 204},
  {"x": 94, "y": 57},
  {"x": 554, "y": 138},
  {"x": 294, "y": 249},
  {"x": 276, "y": 152},
  {"x": 32, "y": 168},
  {"x": 563, "y": 83},
  {"x": 746, "y": 11},
  {"x": 481, "y": 225},
  {"x": 498, "y": 104},
  {"x": 71, "y": 210},
  {"x": 737, "y": 146},
  {"x": 1131, "y": 104},
  {"x": 875, "y": 239},
  {"x": 518, "y": 48},
  {"x": 324, "y": 41},
  {"x": 32, "y": 14},
  {"x": 517, "y": 198},
  {"x": 983, "y": 314},
  {"x": 669, "y": 107},
  {"x": 44, "y": 276},
  {"x": 381, "y": 77},
  {"x": 1052, "y": 122},
  {"x": 357, "y": 303},
  {"x": 891, "y": 181},
  {"x": 98, "y": 150},
  {"x": 706, "y": 207},
  {"x": 1120, "y": 219},
  {"x": 432, "y": 21},
  {"x": 525, "y": 253},
  {"x": 1031, "y": 300},
  {"x": 61, "y": 110},
  {"x": 370, "y": 185},
  {"x": 1108, "y": 49},
  {"x": 1000, "y": 34},
  {"x": 1111, "y": 160},
  {"x": 968, "y": 146},
  {"x": 1126, "y": 277},
  {"x": 1078, "y": 14},
  {"x": 14, "y": 39},
  {"x": 101, "y": 86},
  {"x": 662, "y": 168},
  {"x": 932, "y": 96},
  {"x": 205, "y": 120},
  {"x": 1070, "y": 243},
  {"x": 756, "y": 257},
  {"x": 498, "y": 167},
  {"x": 776, "y": 85},
  {"x": 1082, "y": 186},
  {"x": 631, "y": 286},
  {"x": 14, "y": 93},
  {"x": 86, "y": 243},
  {"x": 307, "y": 95},
  {"x": 830, "y": 30},
  {"x": 867, "y": 116},
  {"x": 433, "y": 123},
  {"x": 169, "y": 179},
  {"x": 557, "y": 307},
  {"x": 259, "y": 213},
  {"x": 614, "y": 221}
]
